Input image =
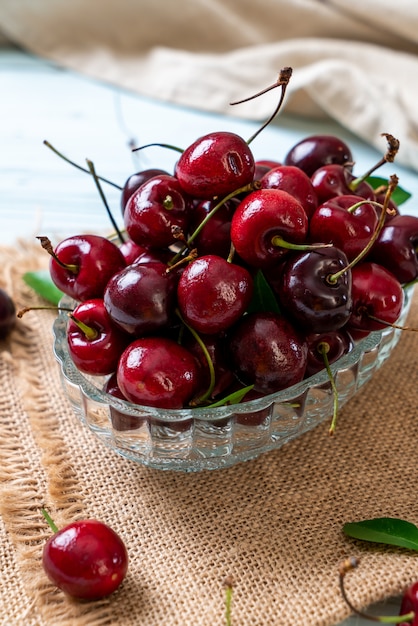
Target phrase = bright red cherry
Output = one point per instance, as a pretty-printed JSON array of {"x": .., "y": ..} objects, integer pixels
[
  {"x": 350, "y": 230},
  {"x": 134, "y": 181},
  {"x": 156, "y": 208},
  {"x": 158, "y": 372},
  {"x": 94, "y": 342},
  {"x": 262, "y": 221},
  {"x": 215, "y": 165},
  {"x": 336, "y": 180},
  {"x": 212, "y": 293},
  {"x": 377, "y": 295},
  {"x": 410, "y": 603},
  {"x": 86, "y": 559},
  {"x": 293, "y": 180},
  {"x": 82, "y": 265}
]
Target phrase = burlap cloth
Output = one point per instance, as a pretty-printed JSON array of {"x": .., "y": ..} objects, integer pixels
[{"x": 274, "y": 524}]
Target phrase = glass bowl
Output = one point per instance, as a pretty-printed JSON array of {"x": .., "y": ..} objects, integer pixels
[{"x": 213, "y": 438}]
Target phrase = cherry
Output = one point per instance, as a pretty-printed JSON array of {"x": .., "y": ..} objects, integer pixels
[
  {"x": 156, "y": 371},
  {"x": 267, "y": 351},
  {"x": 215, "y": 165},
  {"x": 350, "y": 230},
  {"x": 86, "y": 559},
  {"x": 409, "y": 603},
  {"x": 313, "y": 152},
  {"x": 293, "y": 180},
  {"x": 7, "y": 314},
  {"x": 377, "y": 297},
  {"x": 310, "y": 295},
  {"x": 396, "y": 247},
  {"x": 131, "y": 251},
  {"x": 140, "y": 299},
  {"x": 334, "y": 343},
  {"x": 262, "y": 224},
  {"x": 337, "y": 180},
  {"x": 82, "y": 265},
  {"x": 156, "y": 208},
  {"x": 134, "y": 181},
  {"x": 94, "y": 342},
  {"x": 264, "y": 166},
  {"x": 213, "y": 293}
]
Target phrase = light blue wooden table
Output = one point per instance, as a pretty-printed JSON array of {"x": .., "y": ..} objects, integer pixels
[{"x": 41, "y": 194}]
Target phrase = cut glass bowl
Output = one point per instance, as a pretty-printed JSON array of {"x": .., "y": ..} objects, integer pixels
[{"x": 213, "y": 438}]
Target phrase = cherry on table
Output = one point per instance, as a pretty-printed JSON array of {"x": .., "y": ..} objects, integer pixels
[
  {"x": 86, "y": 559},
  {"x": 7, "y": 314}
]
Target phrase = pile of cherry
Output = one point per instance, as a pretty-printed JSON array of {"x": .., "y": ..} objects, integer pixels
[{"x": 234, "y": 278}]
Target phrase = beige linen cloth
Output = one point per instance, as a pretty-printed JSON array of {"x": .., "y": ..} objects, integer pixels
[{"x": 353, "y": 61}]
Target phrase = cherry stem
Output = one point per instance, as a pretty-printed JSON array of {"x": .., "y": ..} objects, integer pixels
[
  {"x": 347, "y": 566},
  {"x": 50, "y": 521},
  {"x": 393, "y": 182},
  {"x": 389, "y": 157},
  {"x": 204, "y": 349},
  {"x": 279, "y": 242},
  {"x": 391, "y": 325},
  {"x": 228, "y": 583},
  {"x": 324, "y": 348},
  {"x": 90, "y": 333},
  {"x": 26, "y": 309},
  {"x": 79, "y": 167},
  {"x": 159, "y": 145},
  {"x": 100, "y": 190},
  {"x": 46, "y": 245},
  {"x": 245, "y": 189},
  {"x": 190, "y": 257},
  {"x": 282, "y": 81}
]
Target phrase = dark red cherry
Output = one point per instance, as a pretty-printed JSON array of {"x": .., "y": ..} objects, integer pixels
[
  {"x": 335, "y": 343},
  {"x": 313, "y": 152},
  {"x": 158, "y": 372},
  {"x": 83, "y": 265},
  {"x": 377, "y": 295},
  {"x": 212, "y": 293},
  {"x": 396, "y": 247},
  {"x": 134, "y": 182},
  {"x": 261, "y": 220},
  {"x": 294, "y": 181},
  {"x": 409, "y": 603},
  {"x": 86, "y": 559},
  {"x": 336, "y": 180},
  {"x": 131, "y": 251},
  {"x": 141, "y": 298},
  {"x": 309, "y": 294},
  {"x": 267, "y": 351},
  {"x": 350, "y": 230},
  {"x": 94, "y": 342},
  {"x": 215, "y": 165},
  {"x": 154, "y": 210},
  {"x": 7, "y": 314}
]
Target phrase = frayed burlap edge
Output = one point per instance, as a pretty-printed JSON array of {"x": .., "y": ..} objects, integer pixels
[{"x": 27, "y": 484}]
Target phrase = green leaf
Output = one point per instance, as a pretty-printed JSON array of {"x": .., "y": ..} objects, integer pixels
[
  {"x": 388, "y": 530},
  {"x": 233, "y": 398},
  {"x": 41, "y": 282},
  {"x": 263, "y": 300},
  {"x": 399, "y": 196}
]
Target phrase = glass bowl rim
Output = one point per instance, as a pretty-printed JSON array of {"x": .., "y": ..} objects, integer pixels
[{"x": 89, "y": 389}]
